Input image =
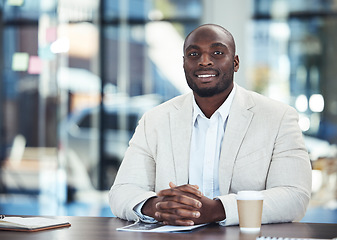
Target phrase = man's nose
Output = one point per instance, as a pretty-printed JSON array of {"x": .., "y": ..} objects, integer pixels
[{"x": 205, "y": 60}]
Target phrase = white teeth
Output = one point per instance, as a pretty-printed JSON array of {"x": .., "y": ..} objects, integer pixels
[{"x": 206, "y": 75}]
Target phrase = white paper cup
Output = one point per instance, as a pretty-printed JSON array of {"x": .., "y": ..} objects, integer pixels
[{"x": 250, "y": 206}]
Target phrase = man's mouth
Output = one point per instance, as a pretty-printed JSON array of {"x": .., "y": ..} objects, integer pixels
[{"x": 206, "y": 75}]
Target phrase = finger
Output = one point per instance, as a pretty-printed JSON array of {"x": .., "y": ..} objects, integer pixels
[
  {"x": 180, "y": 212},
  {"x": 179, "y": 196},
  {"x": 172, "y": 205},
  {"x": 178, "y": 191},
  {"x": 179, "y": 201},
  {"x": 184, "y": 222},
  {"x": 172, "y": 185},
  {"x": 193, "y": 189},
  {"x": 179, "y": 222},
  {"x": 172, "y": 219},
  {"x": 184, "y": 213}
]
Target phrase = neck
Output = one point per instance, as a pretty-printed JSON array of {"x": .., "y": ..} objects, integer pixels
[{"x": 208, "y": 105}]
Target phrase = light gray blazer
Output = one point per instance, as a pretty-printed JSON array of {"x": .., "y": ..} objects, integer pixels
[{"x": 262, "y": 150}]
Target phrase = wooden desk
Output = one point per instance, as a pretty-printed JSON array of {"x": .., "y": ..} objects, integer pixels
[{"x": 99, "y": 228}]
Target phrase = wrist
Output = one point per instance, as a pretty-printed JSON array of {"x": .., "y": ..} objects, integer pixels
[
  {"x": 149, "y": 207},
  {"x": 219, "y": 211}
]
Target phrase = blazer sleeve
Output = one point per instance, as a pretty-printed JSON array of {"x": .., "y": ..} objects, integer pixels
[
  {"x": 288, "y": 183},
  {"x": 290, "y": 179},
  {"x": 135, "y": 179},
  {"x": 150, "y": 162}
]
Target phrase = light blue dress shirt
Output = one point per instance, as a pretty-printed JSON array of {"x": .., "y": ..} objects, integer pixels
[{"x": 207, "y": 136}]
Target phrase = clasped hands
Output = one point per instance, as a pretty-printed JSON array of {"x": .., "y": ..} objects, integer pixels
[{"x": 183, "y": 205}]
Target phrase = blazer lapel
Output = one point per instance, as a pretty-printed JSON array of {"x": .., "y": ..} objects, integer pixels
[
  {"x": 181, "y": 130},
  {"x": 237, "y": 125}
]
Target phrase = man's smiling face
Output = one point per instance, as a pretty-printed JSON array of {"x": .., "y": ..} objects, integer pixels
[{"x": 209, "y": 61}]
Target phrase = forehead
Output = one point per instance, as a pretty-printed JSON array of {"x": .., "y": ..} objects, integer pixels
[{"x": 209, "y": 35}]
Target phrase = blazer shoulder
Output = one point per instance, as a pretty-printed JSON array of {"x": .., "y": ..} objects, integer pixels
[
  {"x": 260, "y": 101},
  {"x": 173, "y": 104}
]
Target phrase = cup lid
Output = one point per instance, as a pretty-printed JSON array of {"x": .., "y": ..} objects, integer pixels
[{"x": 249, "y": 195}]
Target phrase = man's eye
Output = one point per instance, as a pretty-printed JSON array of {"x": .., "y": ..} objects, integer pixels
[
  {"x": 218, "y": 53},
  {"x": 193, "y": 54}
]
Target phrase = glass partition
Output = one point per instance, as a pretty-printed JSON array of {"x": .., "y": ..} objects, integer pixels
[
  {"x": 293, "y": 48},
  {"x": 293, "y": 54},
  {"x": 76, "y": 78},
  {"x": 31, "y": 170},
  {"x": 142, "y": 67}
]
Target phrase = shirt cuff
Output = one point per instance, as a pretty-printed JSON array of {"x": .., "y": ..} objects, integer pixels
[
  {"x": 138, "y": 211},
  {"x": 222, "y": 223}
]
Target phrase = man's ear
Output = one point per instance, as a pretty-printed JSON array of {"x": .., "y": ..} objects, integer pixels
[{"x": 236, "y": 63}]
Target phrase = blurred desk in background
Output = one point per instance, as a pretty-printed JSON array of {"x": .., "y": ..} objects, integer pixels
[
  {"x": 36, "y": 174},
  {"x": 25, "y": 174},
  {"x": 324, "y": 183}
]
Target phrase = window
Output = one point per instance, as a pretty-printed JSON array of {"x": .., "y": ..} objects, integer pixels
[
  {"x": 77, "y": 77},
  {"x": 299, "y": 39}
]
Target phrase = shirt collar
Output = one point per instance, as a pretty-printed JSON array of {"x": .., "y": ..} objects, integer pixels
[{"x": 223, "y": 110}]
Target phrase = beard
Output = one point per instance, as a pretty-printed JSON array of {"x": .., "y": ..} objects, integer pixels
[{"x": 224, "y": 83}]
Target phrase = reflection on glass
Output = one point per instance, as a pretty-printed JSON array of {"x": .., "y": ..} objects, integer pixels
[
  {"x": 316, "y": 103},
  {"x": 301, "y": 103},
  {"x": 53, "y": 94},
  {"x": 295, "y": 42},
  {"x": 304, "y": 123},
  {"x": 61, "y": 45}
]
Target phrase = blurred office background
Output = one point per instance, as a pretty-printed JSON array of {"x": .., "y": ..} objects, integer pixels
[{"x": 76, "y": 75}]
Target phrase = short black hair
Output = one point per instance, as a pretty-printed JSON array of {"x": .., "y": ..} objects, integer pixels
[{"x": 213, "y": 25}]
